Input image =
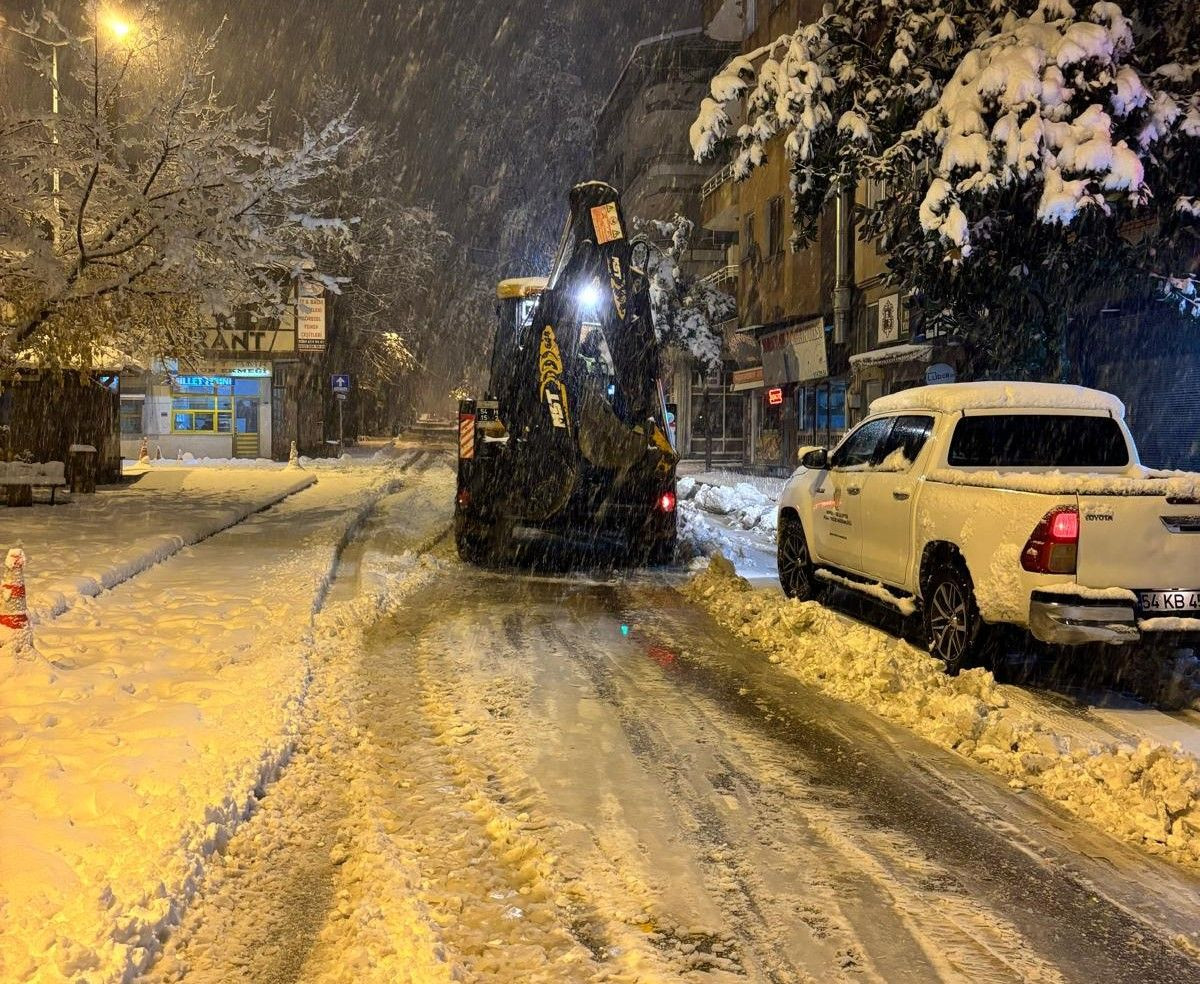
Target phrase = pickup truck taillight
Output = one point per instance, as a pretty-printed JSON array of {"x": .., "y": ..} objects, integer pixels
[{"x": 1053, "y": 547}]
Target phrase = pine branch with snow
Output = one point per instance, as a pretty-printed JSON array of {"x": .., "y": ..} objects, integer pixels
[
  {"x": 1025, "y": 148},
  {"x": 687, "y": 310}
]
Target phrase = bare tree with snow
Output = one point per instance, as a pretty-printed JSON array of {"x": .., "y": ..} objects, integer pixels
[
  {"x": 1036, "y": 157},
  {"x": 146, "y": 205}
]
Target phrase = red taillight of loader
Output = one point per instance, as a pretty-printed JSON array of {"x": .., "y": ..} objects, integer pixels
[
  {"x": 666, "y": 502},
  {"x": 1053, "y": 547}
]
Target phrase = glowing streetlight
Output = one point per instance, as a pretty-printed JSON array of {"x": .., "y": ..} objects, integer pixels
[{"x": 120, "y": 29}]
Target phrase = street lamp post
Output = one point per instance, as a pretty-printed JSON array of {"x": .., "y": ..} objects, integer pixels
[
  {"x": 55, "y": 174},
  {"x": 120, "y": 29}
]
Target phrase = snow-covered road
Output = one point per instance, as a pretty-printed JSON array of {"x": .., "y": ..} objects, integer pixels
[{"x": 583, "y": 777}]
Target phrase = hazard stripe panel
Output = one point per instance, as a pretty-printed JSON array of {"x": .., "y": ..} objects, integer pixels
[{"x": 466, "y": 435}]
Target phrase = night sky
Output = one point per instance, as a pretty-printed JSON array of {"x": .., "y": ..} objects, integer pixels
[{"x": 407, "y": 63}]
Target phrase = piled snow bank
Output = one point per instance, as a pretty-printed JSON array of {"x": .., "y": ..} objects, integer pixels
[
  {"x": 743, "y": 504},
  {"x": 132, "y": 756},
  {"x": 1148, "y": 794},
  {"x": 94, "y": 543}
]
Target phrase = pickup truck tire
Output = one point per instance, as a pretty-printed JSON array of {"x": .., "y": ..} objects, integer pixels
[
  {"x": 796, "y": 571},
  {"x": 955, "y": 632}
]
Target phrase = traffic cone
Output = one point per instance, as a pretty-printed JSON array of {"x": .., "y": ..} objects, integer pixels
[
  {"x": 158, "y": 452},
  {"x": 144, "y": 452},
  {"x": 15, "y": 629},
  {"x": 293, "y": 457},
  {"x": 179, "y": 454}
]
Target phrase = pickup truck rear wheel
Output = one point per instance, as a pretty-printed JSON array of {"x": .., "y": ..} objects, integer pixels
[
  {"x": 794, "y": 561},
  {"x": 952, "y": 623}
]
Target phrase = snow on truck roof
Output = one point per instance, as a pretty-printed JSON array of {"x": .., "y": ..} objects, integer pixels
[
  {"x": 520, "y": 287},
  {"x": 954, "y": 397}
]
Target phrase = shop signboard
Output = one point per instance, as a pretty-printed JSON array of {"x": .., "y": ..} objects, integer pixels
[
  {"x": 795, "y": 355},
  {"x": 889, "y": 318},
  {"x": 940, "y": 372},
  {"x": 250, "y": 341},
  {"x": 775, "y": 396},
  {"x": 250, "y": 370},
  {"x": 310, "y": 316},
  {"x": 203, "y": 382}
]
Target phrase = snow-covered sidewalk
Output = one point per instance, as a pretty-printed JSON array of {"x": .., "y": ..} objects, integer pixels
[
  {"x": 166, "y": 704},
  {"x": 94, "y": 542}
]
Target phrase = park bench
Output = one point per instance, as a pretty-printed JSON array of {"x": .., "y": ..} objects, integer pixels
[{"x": 20, "y": 478}]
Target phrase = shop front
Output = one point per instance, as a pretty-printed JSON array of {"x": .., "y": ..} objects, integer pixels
[
  {"x": 799, "y": 404},
  {"x": 219, "y": 410},
  {"x": 893, "y": 368}
]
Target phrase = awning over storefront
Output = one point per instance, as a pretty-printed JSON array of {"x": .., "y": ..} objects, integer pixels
[{"x": 891, "y": 354}]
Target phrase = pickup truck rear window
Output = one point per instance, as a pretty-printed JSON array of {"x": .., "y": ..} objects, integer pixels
[{"x": 1038, "y": 441}]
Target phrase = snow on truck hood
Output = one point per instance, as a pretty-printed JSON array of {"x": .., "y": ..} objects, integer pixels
[{"x": 953, "y": 397}]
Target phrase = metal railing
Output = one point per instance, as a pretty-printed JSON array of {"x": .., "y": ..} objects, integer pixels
[
  {"x": 721, "y": 277},
  {"x": 712, "y": 184}
]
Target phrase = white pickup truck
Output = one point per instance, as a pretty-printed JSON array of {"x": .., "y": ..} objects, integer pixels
[{"x": 983, "y": 504}]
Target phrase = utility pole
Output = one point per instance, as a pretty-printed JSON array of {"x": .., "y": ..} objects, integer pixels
[
  {"x": 55, "y": 173},
  {"x": 119, "y": 29}
]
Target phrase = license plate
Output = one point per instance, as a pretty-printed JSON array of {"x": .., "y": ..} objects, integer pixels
[{"x": 1169, "y": 602}]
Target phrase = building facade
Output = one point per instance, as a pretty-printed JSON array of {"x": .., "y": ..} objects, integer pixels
[
  {"x": 642, "y": 149},
  {"x": 240, "y": 398},
  {"x": 829, "y": 333}
]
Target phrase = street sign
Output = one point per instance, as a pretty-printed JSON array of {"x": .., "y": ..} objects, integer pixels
[
  {"x": 340, "y": 396},
  {"x": 340, "y": 383}
]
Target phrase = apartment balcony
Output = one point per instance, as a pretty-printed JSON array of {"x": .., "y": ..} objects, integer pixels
[
  {"x": 719, "y": 202},
  {"x": 723, "y": 278}
]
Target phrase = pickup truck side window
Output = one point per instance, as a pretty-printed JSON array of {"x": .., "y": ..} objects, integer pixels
[
  {"x": 908, "y": 436},
  {"x": 1037, "y": 441},
  {"x": 861, "y": 446}
]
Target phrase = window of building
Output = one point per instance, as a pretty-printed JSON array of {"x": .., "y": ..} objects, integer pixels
[
  {"x": 722, "y": 416},
  {"x": 131, "y": 417},
  {"x": 877, "y": 191},
  {"x": 751, "y": 15},
  {"x": 775, "y": 226},
  {"x": 822, "y": 413},
  {"x": 748, "y": 244},
  {"x": 202, "y": 405}
]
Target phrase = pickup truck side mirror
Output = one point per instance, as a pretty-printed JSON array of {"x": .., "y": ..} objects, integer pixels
[{"x": 816, "y": 459}]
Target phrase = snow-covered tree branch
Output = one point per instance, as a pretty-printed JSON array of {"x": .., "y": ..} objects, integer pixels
[
  {"x": 1034, "y": 140},
  {"x": 688, "y": 311},
  {"x": 147, "y": 203}
]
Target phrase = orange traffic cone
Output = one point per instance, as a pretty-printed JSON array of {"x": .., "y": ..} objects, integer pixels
[
  {"x": 144, "y": 452},
  {"x": 15, "y": 629}
]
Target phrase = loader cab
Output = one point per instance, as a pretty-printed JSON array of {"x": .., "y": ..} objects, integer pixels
[{"x": 517, "y": 299}]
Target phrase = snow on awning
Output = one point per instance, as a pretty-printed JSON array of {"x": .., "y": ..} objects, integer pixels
[{"x": 892, "y": 353}]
